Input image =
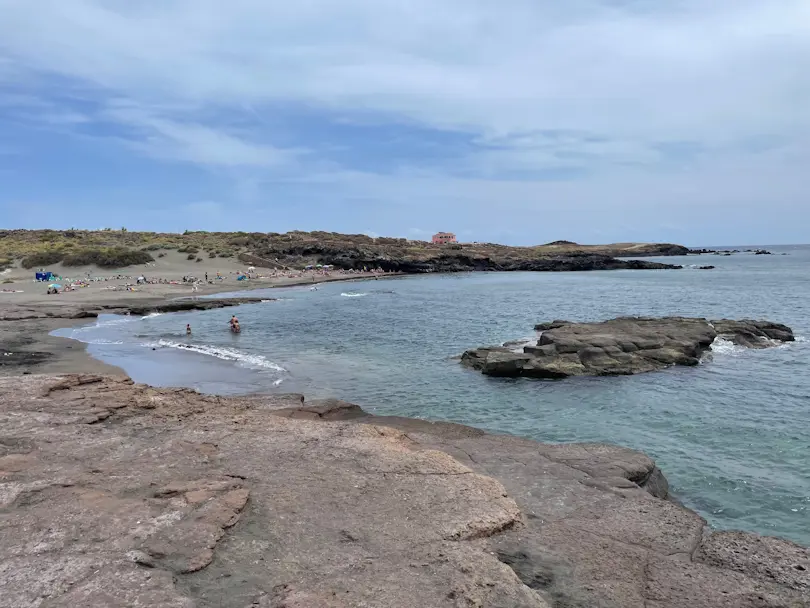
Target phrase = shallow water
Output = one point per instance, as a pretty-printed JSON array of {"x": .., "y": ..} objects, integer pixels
[{"x": 732, "y": 436}]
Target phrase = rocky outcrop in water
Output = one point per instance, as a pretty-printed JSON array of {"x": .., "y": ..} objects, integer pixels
[
  {"x": 623, "y": 346},
  {"x": 727, "y": 251},
  {"x": 117, "y": 494}
]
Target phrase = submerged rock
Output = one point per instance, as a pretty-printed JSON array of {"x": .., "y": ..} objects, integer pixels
[{"x": 623, "y": 346}]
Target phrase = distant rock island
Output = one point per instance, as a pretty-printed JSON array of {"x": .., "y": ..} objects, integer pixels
[
  {"x": 622, "y": 346},
  {"x": 728, "y": 251}
]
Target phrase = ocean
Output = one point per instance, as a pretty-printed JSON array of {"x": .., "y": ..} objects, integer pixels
[{"x": 732, "y": 435}]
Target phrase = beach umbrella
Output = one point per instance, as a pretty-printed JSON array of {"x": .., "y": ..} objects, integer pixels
[{"x": 56, "y": 285}]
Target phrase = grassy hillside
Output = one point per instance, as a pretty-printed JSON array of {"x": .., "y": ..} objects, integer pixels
[{"x": 120, "y": 248}]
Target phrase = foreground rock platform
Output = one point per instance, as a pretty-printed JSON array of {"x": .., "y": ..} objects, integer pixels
[
  {"x": 622, "y": 346},
  {"x": 114, "y": 494}
]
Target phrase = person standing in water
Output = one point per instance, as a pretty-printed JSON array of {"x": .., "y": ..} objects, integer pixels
[{"x": 188, "y": 329}]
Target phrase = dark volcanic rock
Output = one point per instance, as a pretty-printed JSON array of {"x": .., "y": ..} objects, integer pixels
[
  {"x": 463, "y": 261},
  {"x": 753, "y": 334},
  {"x": 22, "y": 358},
  {"x": 184, "y": 305},
  {"x": 627, "y": 345}
]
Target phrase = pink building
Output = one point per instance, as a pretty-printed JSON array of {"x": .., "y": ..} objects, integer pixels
[{"x": 441, "y": 238}]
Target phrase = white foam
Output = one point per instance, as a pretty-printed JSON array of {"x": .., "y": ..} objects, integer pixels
[
  {"x": 721, "y": 346},
  {"x": 353, "y": 295},
  {"x": 110, "y": 322},
  {"x": 152, "y": 315},
  {"x": 99, "y": 324},
  {"x": 220, "y": 352}
]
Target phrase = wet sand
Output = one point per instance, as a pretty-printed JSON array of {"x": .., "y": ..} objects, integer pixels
[{"x": 27, "y": 318}]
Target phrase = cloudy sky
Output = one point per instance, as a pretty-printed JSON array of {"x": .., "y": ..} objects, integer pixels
[{"x": 520, "y": 121}]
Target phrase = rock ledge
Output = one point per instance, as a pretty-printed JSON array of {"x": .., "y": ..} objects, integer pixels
[
  {"x": 115, "y": 494},
  {"x": 622, "y": 346}
]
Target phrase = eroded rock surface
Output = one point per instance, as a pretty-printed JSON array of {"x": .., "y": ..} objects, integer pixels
[
  {"x": 623, "y": 346},
  {"x": 117, "y": 494}
]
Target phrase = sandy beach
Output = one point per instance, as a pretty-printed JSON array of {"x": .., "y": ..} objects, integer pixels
[{"x": 28, "y": 313}]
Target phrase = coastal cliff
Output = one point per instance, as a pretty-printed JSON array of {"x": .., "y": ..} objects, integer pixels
[{"x": 115, "y": 494}]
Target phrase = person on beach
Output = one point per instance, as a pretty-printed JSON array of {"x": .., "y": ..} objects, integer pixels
[
  {"x": 188, "y": 329},
  {"x": 234, "y": 324}
]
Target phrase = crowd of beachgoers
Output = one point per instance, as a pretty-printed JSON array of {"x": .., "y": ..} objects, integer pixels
[{"x": 132, "y": 282}]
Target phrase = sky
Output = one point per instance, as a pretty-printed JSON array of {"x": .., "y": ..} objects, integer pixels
[{"x": 517, "y": 121}]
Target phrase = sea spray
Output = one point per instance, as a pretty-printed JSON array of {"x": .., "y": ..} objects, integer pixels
[{"x": 721, "y": 346}]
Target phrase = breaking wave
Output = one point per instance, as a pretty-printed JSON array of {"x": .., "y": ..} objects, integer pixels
[
  {"x": 721, "y": 346},
  {"x": 226, "y": 354},
  {"x": 352, "y": 294}
]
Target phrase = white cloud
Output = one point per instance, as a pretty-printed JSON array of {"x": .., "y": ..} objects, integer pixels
[
  {"x": 539, "y": 85},
  {"x": 197, "y": 143},
  {"x": 493, "y": 68}
]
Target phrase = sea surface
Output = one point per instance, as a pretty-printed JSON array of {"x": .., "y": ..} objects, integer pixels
[{"x": 732, "y": 435}]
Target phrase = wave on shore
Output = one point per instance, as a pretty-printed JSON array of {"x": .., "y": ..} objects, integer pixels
[
  {"x": 226, "y": 354},
  {"x": 722, "y": 346},
  {"x": 352, "y": 294}
]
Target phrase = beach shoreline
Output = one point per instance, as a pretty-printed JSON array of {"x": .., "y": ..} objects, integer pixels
[{"x": 28, "y": 319}]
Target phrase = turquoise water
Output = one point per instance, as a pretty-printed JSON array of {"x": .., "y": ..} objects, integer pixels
[{"x": 732, "y": 436}]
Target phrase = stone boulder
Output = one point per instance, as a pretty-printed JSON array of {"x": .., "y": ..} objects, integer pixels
[{"x": 623, "y": 346}]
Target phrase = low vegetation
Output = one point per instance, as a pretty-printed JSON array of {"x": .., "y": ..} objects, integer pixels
[
  {"x": 117, "y": 248},
  {"x": 114, "y": 257},
  {"x": 43, "y": 258},
  {"x": 111, "y": 257}
]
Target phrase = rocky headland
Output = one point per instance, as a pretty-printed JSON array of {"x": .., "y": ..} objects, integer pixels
[
  {"x": 623, "y": 346},
  {"x": 118, "y": 494},
  {"x": 461, "y": 259},
  {"x": 123, "y": 249}
]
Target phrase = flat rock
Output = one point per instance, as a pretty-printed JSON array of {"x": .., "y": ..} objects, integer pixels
[
  {"x": 177, "y": 499},
  {"x": 622, "y": 346}
]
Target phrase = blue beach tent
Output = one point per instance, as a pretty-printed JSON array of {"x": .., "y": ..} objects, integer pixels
[{"x": 44, "y": 276}]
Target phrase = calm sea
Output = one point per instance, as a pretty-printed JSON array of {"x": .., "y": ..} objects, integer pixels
[{"x": 732, "y": 436}]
